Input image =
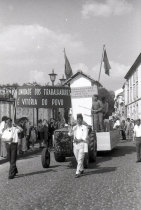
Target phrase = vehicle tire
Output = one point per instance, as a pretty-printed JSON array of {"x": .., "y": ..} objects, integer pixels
[
  {"x": 86, "y": 160},
  {"x": 45, "y": 158},
  {"x": 92, "y": 147},
  {"x": 58, "y": 157}
]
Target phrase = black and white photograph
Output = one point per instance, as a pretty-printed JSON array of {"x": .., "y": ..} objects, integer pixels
[{"x": 70, "y": 104}]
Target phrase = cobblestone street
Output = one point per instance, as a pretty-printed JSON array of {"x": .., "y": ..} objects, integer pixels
[{"x": 114, "y": 182}]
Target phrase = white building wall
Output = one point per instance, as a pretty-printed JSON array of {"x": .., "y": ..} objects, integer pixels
[
  {"x": 133, "y": 100},
  {"x": 79, "y": 103},
  {"x": 139, "y": 81}
]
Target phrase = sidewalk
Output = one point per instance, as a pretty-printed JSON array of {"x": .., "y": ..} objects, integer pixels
[{"x": 28, "y": 153}]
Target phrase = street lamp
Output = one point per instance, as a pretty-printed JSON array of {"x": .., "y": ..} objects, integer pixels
[
  {"x": 62, "y": 80},
  {"x": 52, "y": 77}
]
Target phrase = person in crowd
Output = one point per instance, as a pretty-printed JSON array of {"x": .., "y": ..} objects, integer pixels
[
  {"x": 24, "y": 141},
  {"x": 116, "y": 123},
  {"x": 61, "y": 120},
  {"x": 51, "y": 129},
  {"x": 80, "y": 144},
  {"x": 45, "y": 131},
  {"x": 137, "y": 136},
  {"x": 10, "y": 136},
  {"x": 132, "y": 123},
  {"x": 105, "y": 108},
  {"x": 33, "y": 137},
  {"x": 40, "y": 133},
  {"x": 128, "y": 127},
  {"x": 123, "y": 129},
  {"x": 21, "y": 148},
  {"x": 3, "y": 152},
  {"x": 97, "y": 113},
  {"x": 27, "y": 134}
]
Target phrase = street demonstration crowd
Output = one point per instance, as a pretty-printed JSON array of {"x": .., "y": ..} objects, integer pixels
[
  {"x": 18, "y": 138},
  {"x": 30, "y": 135}
]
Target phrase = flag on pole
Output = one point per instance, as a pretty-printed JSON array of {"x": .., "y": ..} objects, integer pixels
[
  {"x": 68, "y": 69},
  {"x": 107, "y": 66}
]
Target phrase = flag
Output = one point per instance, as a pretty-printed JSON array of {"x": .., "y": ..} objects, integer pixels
[
  {"x": 107, "y": 66},
  {"x": 68, "y": 69}
]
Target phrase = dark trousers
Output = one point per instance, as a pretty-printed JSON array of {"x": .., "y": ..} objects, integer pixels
[
  {"x": 138, "y": 148},
  {"x": 27, "y": 142},
  {"x": 123, "y": 135},
  {"x": 12, "y": 157}
]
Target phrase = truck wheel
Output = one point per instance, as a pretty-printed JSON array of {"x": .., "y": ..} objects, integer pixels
[
  {"x": 92, "y": 147},
  {"x": 86, "y": 161},
  {"x": 45, "y": 158},
  {"x": 58, "y": 157}
]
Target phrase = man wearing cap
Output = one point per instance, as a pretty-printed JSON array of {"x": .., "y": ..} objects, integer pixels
[
  {"x": 97, "y": 112},
  {"x": 137, "y": 136},
  {"x": 80, "y": 144}
]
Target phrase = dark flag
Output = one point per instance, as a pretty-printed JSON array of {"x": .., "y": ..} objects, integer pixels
[
  {"x": 68, "y": 69},
  {"x": 107, "y": 66}
]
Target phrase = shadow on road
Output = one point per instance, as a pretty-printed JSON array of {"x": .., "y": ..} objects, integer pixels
[
  {"x": 103, "y": 156},
  {"x": 35, "y": 173},
  {"x": 100, "y": 171},
  {"x": 27, "y": 155},
  {"x": 123, "y": 150}
]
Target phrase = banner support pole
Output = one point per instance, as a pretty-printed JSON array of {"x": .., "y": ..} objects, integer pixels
[{"x": 101, "y": 63}]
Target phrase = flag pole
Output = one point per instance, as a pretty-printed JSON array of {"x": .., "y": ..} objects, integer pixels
[{"x": 101, "y": 62}]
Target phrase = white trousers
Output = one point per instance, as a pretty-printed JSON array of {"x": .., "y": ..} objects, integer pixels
[{"x": 78, "y": 150}]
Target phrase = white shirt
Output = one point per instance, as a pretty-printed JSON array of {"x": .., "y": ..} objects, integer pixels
[
  {"x": 2, "y": 124},
  {"x": 117, "y": 124},
  {"x": 11, "y": 133},
  {"x": 81, "y": 132},
  {"x": 137, "y": 130}
]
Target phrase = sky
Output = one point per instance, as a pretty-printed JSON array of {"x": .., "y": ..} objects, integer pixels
[{"x": 33, "y": 34}]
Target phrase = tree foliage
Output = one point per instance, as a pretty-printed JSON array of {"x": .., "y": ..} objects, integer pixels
[{"x": 109, "y": 96}]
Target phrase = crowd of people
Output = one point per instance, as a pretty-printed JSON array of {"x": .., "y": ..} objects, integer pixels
[
  {"x": 126, "y": 127},
  {"x": 41, "y": 134}
]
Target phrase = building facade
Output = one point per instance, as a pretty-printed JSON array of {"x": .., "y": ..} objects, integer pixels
[{"x": 132, "y": 90}]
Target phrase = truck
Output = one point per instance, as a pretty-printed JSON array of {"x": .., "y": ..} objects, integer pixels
[{"x": 83, "y": 87}]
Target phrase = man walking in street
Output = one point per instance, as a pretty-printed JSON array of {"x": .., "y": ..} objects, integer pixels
[
  {"x": 137, "y": 135},
  {"x": 97, "y": 112},
  {"x": 80, "y": 145},
  {"x": 10, "y": 136}
]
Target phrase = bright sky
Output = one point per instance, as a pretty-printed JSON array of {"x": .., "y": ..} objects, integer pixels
[{"x": 33, "y": 34}]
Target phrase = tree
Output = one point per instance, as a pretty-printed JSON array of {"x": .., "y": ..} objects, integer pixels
[{"x": 109, "y": 96}]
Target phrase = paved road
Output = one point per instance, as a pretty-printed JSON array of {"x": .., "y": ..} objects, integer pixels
[{"x": 113, "y": 183}]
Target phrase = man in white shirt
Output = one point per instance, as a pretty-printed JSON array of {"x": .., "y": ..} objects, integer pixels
[
  {"x": 3, "y": 152},
  {"x": 10, "y": 136},
  {"x": 137, "y": 135},
  {"x": 116, "y": 123},
  {"x": 80, "y": 144}
]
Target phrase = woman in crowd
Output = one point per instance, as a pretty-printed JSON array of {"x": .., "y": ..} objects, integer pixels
[{"x": 33, "y": 137}]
